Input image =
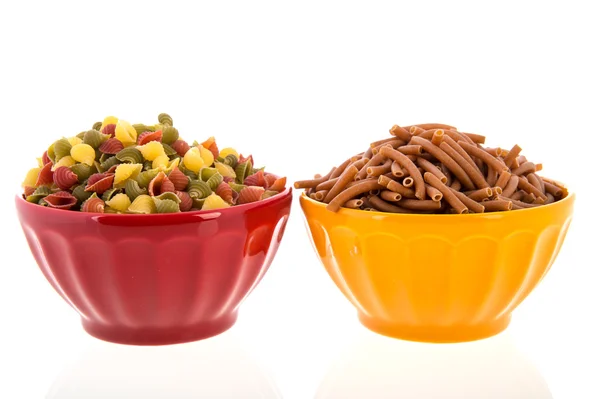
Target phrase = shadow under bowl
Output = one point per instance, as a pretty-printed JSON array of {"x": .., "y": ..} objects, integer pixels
[
  {"x": 156, "y": 279},
  {"x": 437, "y": 278}
]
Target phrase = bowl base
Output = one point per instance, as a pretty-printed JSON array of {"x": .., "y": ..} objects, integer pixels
[
  {"x": 435, "y": 334},
  {"x": 159, "y": 336}
]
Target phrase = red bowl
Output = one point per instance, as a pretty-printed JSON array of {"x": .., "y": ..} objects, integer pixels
[{"x": 156, "y": 279}]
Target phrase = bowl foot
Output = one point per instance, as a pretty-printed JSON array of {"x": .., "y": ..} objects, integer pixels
[
  {"x": 436, "y": 334},
  {"x": 159, "y": 336}
]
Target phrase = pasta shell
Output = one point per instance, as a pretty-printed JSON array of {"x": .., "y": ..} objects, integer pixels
[
  {"x": 62, "y": 148},
  {"x": 231, "y": 160},
  {"x": 170, "y": 134},
  {"x": 109, "y": 120},
  {"x": 80, "y": 193},
  {"x": 160, "y": 184},
  {"x": 236, "y": 187},
  {"x": 185, "y": 201},
  {"x": 214, "y": 181},
  {"x": 94, "y": 138},
  {"x": 152, "y": 150},
  {"x": 250, "y": 194},
  {"x": 168, "y": 196},
  {"x": 180, "y": 181},
  {"x": 146, "y": 177},
  {"x": 207, "y": 156},
  {"x": 279, "y": 184},
  {"x": 181, "y": 147},
  {"x": 225, "y": 170},
  {"x": 109, "y": 129},
  {"x": 111, "y": 146},
  {"x": 166, "y": 206},
  {"x": 141, "y": 128},
  {"x": 37, "y": 194},
  {"x": 256, "y": 179},
  {"x": 50, "y": 153},
  {"x": 110, "y": 193},
  {"x": 269, "y": 193},
  {"x": 100, "y": 182},
  {"x": 226, "y": 151},
  {"x": 130, "y": 155},
  {"x": 93, "y": 205},
  {"x": 165, "y": 119},
  {"x": 120, "y": 202},
  {"x": 213, "y": 201},
  {"x": 108, "y": 163},
  {"x": 65, "y": 178},
  {"x": 60, "y": 200},
  {"x": 64, "y": 161},
  {"x": 83, "y": 153},
  {"x": 126, "y": 171},
  {"x": 188, "y": 173},
  {"x": 125, "y": 132},
  {"x": 211, "y": 145},
  {"x": 143, "y": 204},
  {"x": 147, "y": 137},
  {"x": 206, "y": 173},
  {"x": 112, "y": 169},
  {"x": 45, "y": 177},
  {"x": 74, "y": 141},
  {"x": 242, "y": 158},
  {"x": 242, "y": 170},
  {"x": 31, "y": 177},
  {"x": 161, "y": 162},
  {"x": 82, "y": 171},
  {"x": 169, "y": 151},
  {"x": 198, "y": 189},
  {"x": 224, "y": 191},
  {"x": 97, "y": 125},
  {"x": 28, "y": 190},
  {"x": 269, "y": 179},
  {"x": 193, "y": 160},
  {"x": 133, "y": 189},
  {"x": 45, "y": 158}
]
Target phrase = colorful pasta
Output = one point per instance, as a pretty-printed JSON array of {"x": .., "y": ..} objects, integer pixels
[
  {"x": 199, "y": 189},
  {"x": 93, "y": 205},
  {"x": 170, "y": 134},
  {"x": 119, "y": 202},
  {"x": 38, "y": 194},
  {"x": 94, "y": 138},
  {"x": 62, "y": 148},
  {"x": 181, "y": 147},
  {"x": 65, "y": 178},
  {"x": 160, "y": 184},
  {"x": 125, "y": 133},
  {"x": 152, "y": 150},
  {"x": 111, "y": 146},
  {"x": 100, "y": 182},
  {"x": 60, "y": 200},
  {"x": 126, "y": 171},
  {"x": 46, "y": 176},
  {"x": 213, "y": 201},
  {"x": 143, "y": 204},
  {"x": 165, "y": 119},
  {"x": 133, "y": 189},
  {"x": 166, "y": 205},
  {"x": 130, "y": 155},
  {"x": 146, "y": 137}
]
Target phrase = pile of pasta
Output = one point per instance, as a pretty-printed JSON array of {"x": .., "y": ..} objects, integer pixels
[
  {"x": 117, "y": 167},
  {"x": 434, "y": 168}
]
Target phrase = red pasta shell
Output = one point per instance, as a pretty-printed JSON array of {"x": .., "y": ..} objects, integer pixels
[
  {"x": 257, "y": 179},
  {"x": 269, "y": 179},
  {"x": 28, "y": 191},
  {"x": 186, "y": 201},
  {"x": 109, "y": 129},
  {"x": 45, "y": 158},
  {"x": 100, "y": 182},
  {"x": 160, "y": 184},
  {"x": 225, "y": 191},
  {"x": 65, "y": 178},
  {"x": 180, "y": 146},
  {"x": 250, "y": 194},
  {"x": 179, "y": 179},
  {"x": 214, "y": 149},
  {"x": 111, "y": 146},
  {"x": 93, "y": 205},
  {"x": 243, "y": 159},
  {"x": 45, "y": 178},
  {"x": 279, "y": 184},
  {"x": 147, "y": 137},
  {"x": 60, "y": 200}
]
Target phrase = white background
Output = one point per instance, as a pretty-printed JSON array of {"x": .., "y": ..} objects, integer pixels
[{"x": 302, "y": 86}]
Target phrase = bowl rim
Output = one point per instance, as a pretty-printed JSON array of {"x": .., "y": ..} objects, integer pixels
[
  {"x": 237, "y": 208},
  {"x": 358, "y": 212}
]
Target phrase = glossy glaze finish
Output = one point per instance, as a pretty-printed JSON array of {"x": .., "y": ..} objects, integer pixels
[
  {"x": 437, "y": 278},
  {"x": 156, "y": 279}
]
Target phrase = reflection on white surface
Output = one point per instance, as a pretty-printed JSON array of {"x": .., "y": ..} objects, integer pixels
[
  {"x": 214, "y": 368},
  {"x": 385, "y": 368}
]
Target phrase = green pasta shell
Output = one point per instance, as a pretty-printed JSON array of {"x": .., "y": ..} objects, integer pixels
[
  {"x": 165, "y": 119},
  {"x": 242, "y": 170},
  {"x": 94, "y": 138},
  {"x": 166, "y": 206},
  {"x": 169, "y": 150},
  {"x": 170, "y": 134},
  {"x": 98, "y": 154},
  {"x": 103, "y": 157},
  {"x": 38, "y": 194},
  {"x": 80, "y": 193},
  {"x": 51, "y": 153},
  {"x": 169, "y": 196},
  {"x": 97, "y": 126},
  {"x": 269, "y": 193},
  {"x": 199, "y": 189},
  {"x": 215, "y": 180},
  {"x": 237, "y": 187},
  {"x": 109, "y": 163},
  {"x": 187, "y": 172},
  {"x": 130, "y": 155},
  {"x": 141, "y": 128},
  {"x": 62, "y": 148},
  {"x": 230, "y": 160},
  {"x": 145, "y": 177},
  {"x": 206, "y": 173},
  {"x": 198, "y": 202},
  {"x": 108, "y": 194},
  {"x": 82, "y": 171},
  {"x": 133, "y": 189},
  {"x": 80, "y": 135}
]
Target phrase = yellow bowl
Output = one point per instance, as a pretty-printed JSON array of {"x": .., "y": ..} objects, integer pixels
[{"x": 437, "y": 278}]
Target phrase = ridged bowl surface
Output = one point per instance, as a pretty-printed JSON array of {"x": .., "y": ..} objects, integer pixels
[
  {"x": 156, "y": 279},
  {"x": 437, "y": 278}
]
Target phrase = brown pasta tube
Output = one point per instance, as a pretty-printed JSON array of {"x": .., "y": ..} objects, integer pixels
[
  {"x": 419, "y": 205},
  {"x": 374, "y": 192},
  {"x": 353, "y": 204},
  {"x": 397, "y": 170},
  {"x": 532, "y": 178},
  {"x": 319, "y": 195},
  {"x": 437, "y": 137},
  {"x": 490, "y": 160},
  {"x": 550, "y": 198},
  {"x": 351, "y": 192},
  {"x": 346, "y": 177},
  {"x": 495, "y": 152},
  {"x": 473, "y": 173},
  {"x": 539, "y": 200},
  {"x": 377, "y": 159},
  {"x": 390, "y": 195},
  {"x": 434, "y": 193},
  {"x": 408, "y": 182},
  {"x": 497, "y": 205},
  {"x": 429, "y": 126},
  {"x": 455, "y": 185},
  {"x": 314, "y": 182},
  {"x": 401, "y": 133},
  {"x": 518, "y": 195},
  {"x": 551, "y": 188},
  {"x": 481, "y": 194},
  {"x": 384, "y": 206},
  {"x": 524, "y": 168},
  {"x": 475, "y": 138},
  {"x": 340, "y": 169},
  {"x": 410, "y": 166},
  {"x": 312, "y": 196},
  {"x": 458, "y": 136},
  {"x": 452, "y": 200},
  {"x": 393, "y": 143},
  {"x": 469, "y": 203},
  {"x": 368, "y": 154},
  {"x": 411, "y": 150},
  {"x": 427, "y": 134},
  {"x": 452, "y": 143},
  {"x": 366, "y": 203},
  {"x": 446, "y": 172},
  {"x": 492, "y": 177},
  {"x": 523, "y": 184},
  {"x": 521, "y": 159},
  {"x": 497, "y": 190},
  {"x": 416, "y": 130},
  {"x": 327, "y": 185},
  {"x": 445, "y": 159},
  {"x": 512, "y": 155},
  {"x": 528, "y": 197},
  {"x": 503, "y": 179},
  {"x": 511, "y": 186},
  {"x": 389, "y": 140},
  {"x": 431, "y": 168},
  {"x": 360, "y": 163},
  {"x": 376, "y": 171},
  {"x": 393, "y": 185}
]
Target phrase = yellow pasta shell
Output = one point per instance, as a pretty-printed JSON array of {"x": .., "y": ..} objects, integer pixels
[
  {"x": 152, "y": 150},
  {"x": 126, "y": 171},
  {"x": 31, "y": 177},
  {"x": 213, "y": 201},
  {"x": 225, "y": 170},
  {"x": 160, "y": 162},
  {"x": 109, "y": 120},
  {"x": 74, "y": 141},
  {"x": 64, "y": 161},
  {"x": 83, "y": 153},
  {"x": 142, "y": 204},
  {"x": 192, "y": 160},
  {"x": 120, "y": 202},
  {"x": 226, "y": 151},
  {"x": 172, "y": 165},
  {"x": 125, "y": 133},
  {"x": 206, "y": 155}
]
